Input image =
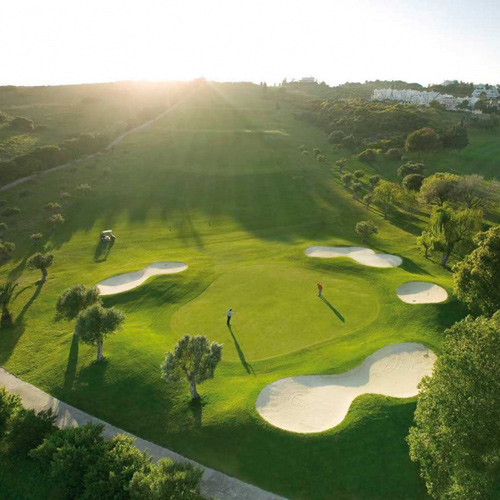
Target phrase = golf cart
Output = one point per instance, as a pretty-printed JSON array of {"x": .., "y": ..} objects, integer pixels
[{"x": 107, "y": 236}]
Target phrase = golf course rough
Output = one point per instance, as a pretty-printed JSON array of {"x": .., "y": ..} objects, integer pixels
[
  {"x": 362, "y": 255},
  {"x": 316, "y": 403},
  {"x": 128, "y": 281},
  {"x": 421, "y": 292}
]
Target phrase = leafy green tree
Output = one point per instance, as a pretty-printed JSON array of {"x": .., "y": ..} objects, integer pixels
[
  {"x": 6, "y": 249},
  {"x": 74, "y": 300},
  {"x": 95, "y": 323},
  {"x": 194, "y": 360},
  {"x": 68, "y": 454},
  {"x": 474, "y": 192},
  {"x": 422, "y": 141},
  {"x": 42, "y": 263},
  {"x": 6, "y": 293},
  {"x": 167, "y": 480},
  {"x": 386, "y": 194},
  {"x": 356, "y": 189},
  {"x": 336, "y": 137},
  {"x": 11, "y": 211},
  {"x": 340, "y": 163},
  {"x": 22, "y": 124},
  {"x": 452, "y": 228},
  {"x": 411, "y": 168},
  {"x": 477, "y": 277},
  {"x": 367, "y": 199},
  {"x": 426, "y": 243},
  {"x": 374, "y": 180},
  {"x": 9, "y": 405},
  {"x": 393, "y": 154},
  {"x": 56, "y": 220},
  {"x": 347, "y": 180},
  {"x": 359, "y": 174},
  {"x": 368, "y": 156},
  {"x": 413, "y": 182},
  {"x": 455, "y": 137},
  {"x": 456, "y": 437},
  {"x": 321, "y": 158},
  {"x": 3, "y": 227},
  {"x": 366, "y": 228},
  {"x": 35, "y": 238},
  {"x": 52, "y": 207},
  {"x": 316, "y": 152},
  {"x": 439, "y": 188}
]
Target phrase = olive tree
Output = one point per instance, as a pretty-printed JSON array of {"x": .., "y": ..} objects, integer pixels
[
  {"x": 6, "y": 293},
  {"x": 439, "y": 188},
  {"x": 41, "y": 262},
  {"x": 95, "y": 323},
  {"x": 386, "y": 194},
  {"x": 192, "y": 359},
  {"x": 366, "y": 228},
  {"x": 456, "y": 436},
  {"x": 74, "y": 300}
]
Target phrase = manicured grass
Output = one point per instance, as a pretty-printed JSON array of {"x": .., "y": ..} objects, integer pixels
[{"x": 220, "y": 185}]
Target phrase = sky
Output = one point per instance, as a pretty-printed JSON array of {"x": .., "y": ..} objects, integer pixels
[{"x": 48, "y": 42}]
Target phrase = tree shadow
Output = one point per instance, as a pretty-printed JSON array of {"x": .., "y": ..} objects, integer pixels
[
  {"x": 196, "y": 407},
  {"x": 337, "y": 313},
  {"x": 69, "y": 376},
  {"x": 32, "y": 299},
  {"x": 246, "y": 365}
]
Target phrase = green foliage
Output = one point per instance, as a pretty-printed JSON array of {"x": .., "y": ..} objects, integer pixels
[
  {"x": 167, "y": 480},
  {"x": 75, "y": 299},
  {"x": 316, "y": 152},
  {"x": 394, "y": 154},
  {"x": 413, "y": 182},
  {"x": 95, "y": 323},
  {"x": 473, "y": 191},
  {"x": 6, "y": 249},
  {"x": 3, "y": 227},
  {"x": 83, "y": 189},
  {"x": 455, "y": 137},
  {"x": 367, "y": 199},
  {"x": 422, "y": 140},
  {"x": 359, "y": 174},
  {"x": 456, "y": 437},
  {"x": 374, "y": 180},
  {"x": 22, "y": 124},
  {"x": 476, "y": 278},
  {"x": 41, "y": 262},
  {"x": 11, "y": 211},
  {"x": 9, "y": 405},
  {"x": 439, "y": 188},
  {"x": 336, "y": 137},
  {"x": 368, "y": 155},
  {"x": 194, "y": 360},
  {"x": 453, "y": 228},
  {"x": 56, "y": 220},
  {"x": 347, "y": 180},
  {"x": 387, "y": 195},
  {"x": 426, "y": 243},
  {"x": 366, "y": 228},
  {"x": 411, "y": 168},
  {"x": 52, "y": 207},
  {"x": 35, "y": 238}
]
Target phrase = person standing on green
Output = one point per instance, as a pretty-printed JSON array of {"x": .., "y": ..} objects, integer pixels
[
  {"x": 320, "y": 289},
  {"x": 229, "y": 315}
]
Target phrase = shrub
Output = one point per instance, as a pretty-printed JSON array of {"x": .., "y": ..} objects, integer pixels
[
  {"x": 22, "y": 124},
  {"x": 316, "y": 152},
  {"x": 35, "y": 238},
  {"x": 9, "y": 405},
  {"x": 11, "y": 211},
  {"x": 366, "y": 228},
  {"x": 52, "y": 207},
  {"x": 336, "y": 137},
  {"x": 56, "y": 220},
  {"x": 3, "y": 227},
  {"x": 393, "y": 154},
  {"x": 411, "y": 168},
  {"x": 6, "y": 249},
  {"x": 83, "y": 189},
  {"x": 347, "y": 180},
  {"x": 368, "y": 155},
  {"x": 413, "y": 182},
  {"x": 359, "y": 174}
]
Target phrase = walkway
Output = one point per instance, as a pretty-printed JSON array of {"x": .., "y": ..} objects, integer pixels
[{"x": 214, "y": 484}]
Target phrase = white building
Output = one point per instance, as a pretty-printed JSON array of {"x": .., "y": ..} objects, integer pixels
[
  {"x": 407, "y": 95},
  {"x": 491, "y": 93}
]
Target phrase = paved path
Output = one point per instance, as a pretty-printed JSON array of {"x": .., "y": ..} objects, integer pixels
[
  {"x": 22, "y": 180},
  {"x": 214, "y": 484}
]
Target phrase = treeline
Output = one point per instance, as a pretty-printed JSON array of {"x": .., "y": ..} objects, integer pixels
[{"x": 81, "y": 464}]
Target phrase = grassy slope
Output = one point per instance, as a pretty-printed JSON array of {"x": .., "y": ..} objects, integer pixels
[{"x": 221, "y": 186}]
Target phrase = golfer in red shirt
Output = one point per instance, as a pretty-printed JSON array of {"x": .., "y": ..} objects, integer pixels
[{"x": 320, "y": 289}]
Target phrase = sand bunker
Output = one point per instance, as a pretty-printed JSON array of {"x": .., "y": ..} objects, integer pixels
[
  {"x": 362, "y": 255},
  {"x": 127, "y": 281},
  {"x": 421, "y": 292},
  {"x": 315, "y": 403}
]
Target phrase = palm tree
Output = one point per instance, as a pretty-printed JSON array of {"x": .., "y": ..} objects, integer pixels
[{"x": 6, "y": 292}]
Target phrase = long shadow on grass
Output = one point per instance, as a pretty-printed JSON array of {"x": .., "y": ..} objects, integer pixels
[
  {"x": 28, "y": 304},
  {"x": 335, "y": 311},
  {"x": 246, "y": 365},
  {"x": 69, "y": 376}
]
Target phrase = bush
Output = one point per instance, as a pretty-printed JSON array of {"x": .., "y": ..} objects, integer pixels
[
  {"x": 411, "y": 168},
  {"x": 11, "y": 211},
  {"x": 359, "y": 174},
  {"x": 56, "y": 220},
  {"x": 393, "y": 154},
  {"x": 6, "y": 249},
  {"x": 349, "y": 142},
  {"x": 368, "y": 155},
  {"x": 366, "y": 228},
  {"x": 413, "y": 182},
  {"x": 347, "y": 180},
  {"x": 336, "y": 137},
  {"x": 52, "y": 207},
  {"x": 9, "y": 405},
  {"x": 22, "y": 124},
  {"x": 3, "y": 227},
  {"x": 83, "y": 189}
]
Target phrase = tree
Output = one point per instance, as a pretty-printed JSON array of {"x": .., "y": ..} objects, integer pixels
[
  {"x": 393, "y": 154},
  {"x": 374, "y": 180},
  {"x": 3, "y": 227},
  {"x": 477, "y": 277},
  {"x": 41, "y": 262},
  {"x": 10, "y": 404},
  {"x": 316, "y": 152},
  {"x": 359, "y": 174},
  {"x": 321, "y": 158},
  {"x": 366, "y": 228},
  {"x": 411, "y": 168},
  {"x": 367, "y": 199},
  {"x": 35, "y": 238},
  {"x": 22, "y": 124},
  {"x": 6, "y": 292},
  {"x": 95, "y": 323},
  {"x": 422, "y": 140},
  {"x": 455, "y": 137},
  {"x": 456, "y": 437},
  {"x": 439, "y": 188},
  {"x": 56, "y": 220},
  {"x": 452, "y": 228},
  {"x": 426, "y": 243},
  {"x": 52, "y": 207},
  {"x": 192, "y": 359},
  {"x": 413, "y": 182},
  {"x": 340, "y": 163},
  {"x": 11, "y": 211},
  {"x": 336, "y": 137},
  {"x": 75, "y": 299},
  {"x": 83, "y": 190},
  {"x": 167, "y": 480},
  {"x": 368, "y": 155},
  {"x": 474, "y": 192},
  {"x": 347, "y": 179},
  {"x": 386, "y": 194},
  {"x": 356, "y": 189},
  {"x": 6, "y": 249}
]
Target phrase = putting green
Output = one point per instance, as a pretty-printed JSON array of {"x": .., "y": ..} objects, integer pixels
[{"x": 277, "y": 310}]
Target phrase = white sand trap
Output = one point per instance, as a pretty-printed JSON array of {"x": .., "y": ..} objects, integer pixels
[
  {"x": 362, "y": 255},
  {"x": 127, "y": 281},
  {"x": 421, "y": 292},
  {"x": 315, "y": 403}
]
